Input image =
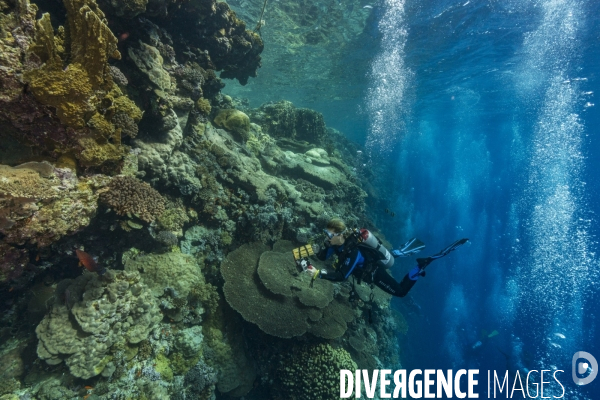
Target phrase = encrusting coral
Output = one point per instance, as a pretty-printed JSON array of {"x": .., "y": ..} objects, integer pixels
[
  {"x": 39, "y": 203},
  {"x": 90, "y": 314},
  {"x": 130, "y": 196}
]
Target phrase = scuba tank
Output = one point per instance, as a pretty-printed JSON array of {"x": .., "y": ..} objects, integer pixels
[{"x": 370, "y": 241}]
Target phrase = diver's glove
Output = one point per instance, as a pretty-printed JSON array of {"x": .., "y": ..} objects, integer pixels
[{"x": 315, "y": 272}]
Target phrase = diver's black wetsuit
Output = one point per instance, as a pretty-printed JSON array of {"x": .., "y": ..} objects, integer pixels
[{"x": 358, "y": 261}]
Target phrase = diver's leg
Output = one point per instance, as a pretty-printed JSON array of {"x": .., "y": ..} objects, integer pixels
[{"x": 388, "y": 284}]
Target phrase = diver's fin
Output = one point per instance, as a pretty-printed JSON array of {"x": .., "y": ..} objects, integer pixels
[
  {"x": 423, "y": 262},
  {"x": 450, "y": 248},
  {"x": 411, "y": 247}
]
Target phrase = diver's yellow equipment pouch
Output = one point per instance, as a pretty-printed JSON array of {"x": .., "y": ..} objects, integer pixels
[{"x": 303, "y": 252}]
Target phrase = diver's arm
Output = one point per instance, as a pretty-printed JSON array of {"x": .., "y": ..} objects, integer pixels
[
  {"x": 335, "y": 276},
  {"x": 354, "y": 260}
]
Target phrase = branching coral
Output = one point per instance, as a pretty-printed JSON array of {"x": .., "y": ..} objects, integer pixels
[{"x": 130, "y": 196}]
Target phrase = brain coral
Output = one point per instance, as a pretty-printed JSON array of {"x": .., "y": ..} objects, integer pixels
[
  {"x": 130, "y": 196},
  {"x": 313, "y": 372},
  {"x": 90, "y": 314},
  {"x": 266, "y": 289}
]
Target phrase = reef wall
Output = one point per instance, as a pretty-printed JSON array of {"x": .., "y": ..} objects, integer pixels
[{"x": 147, "y": 220}]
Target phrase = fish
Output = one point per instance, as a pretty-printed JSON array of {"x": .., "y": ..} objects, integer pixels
[
  {"x": 89, "y": 262},
  {"x": 368, "y": 6},
  {"x": 556, "y": 345},
  {"x": 387, "y": 211},
  {"x": 560, "y": 335},
  {"x": 123, "y": 36},
  {"x": 393, "y": 214}
]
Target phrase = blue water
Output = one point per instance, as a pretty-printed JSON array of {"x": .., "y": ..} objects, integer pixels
[{"x": 485, "y": 110}]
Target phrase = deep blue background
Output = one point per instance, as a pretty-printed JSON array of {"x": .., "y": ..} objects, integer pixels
[{"x": 464, "y": 169}]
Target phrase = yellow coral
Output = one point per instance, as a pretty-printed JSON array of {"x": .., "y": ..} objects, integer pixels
[
  {"x": 234, "y": 121},
  {"x": 203, "y": 106},
  {"x": 95, "y": 153},
  {"x": 82, "y": 93},
  {"x": 66, "y": 90},
  {"x": 92, "y": 42}
]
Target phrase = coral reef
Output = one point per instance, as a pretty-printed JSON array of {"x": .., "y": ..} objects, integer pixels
[
  {"x": 175, "y": 273},
  {"x": 229, "y": 356},
  {"x": 150, "y": 62},
  {"x": 82, "y": 93},
  {"x": 191, "y": 177},
  {"x": 132, "y": 197},
  {"x": 313, "y": 372},
  {"x": 200, "y": 381},
  {"x": 175, "y": 279},
  {"x": 39, "y": 204},
  {"x": 12, "y": 262},
  {"x": 232, "y": 48},
  {"x": 61, "y": 84},
  {"x": 90, "y": 314},
  {"x": 234, "y": 121},
  {"x": 204, "y": 242},
  {"x": 283, "y": 119},
  {"x": 282, "y": 303}
]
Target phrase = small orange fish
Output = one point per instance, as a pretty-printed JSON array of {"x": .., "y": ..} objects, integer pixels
[
  {"x": 11, "y": 289},
  {"x": 123, "y": 36},
  {"x": 88, "y": 387},
  {"x": 37, "y": 258},
  {"x": 89, "y": 263}
]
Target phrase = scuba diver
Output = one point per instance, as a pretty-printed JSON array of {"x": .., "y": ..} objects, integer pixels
[{"x": 362, "y": 255}]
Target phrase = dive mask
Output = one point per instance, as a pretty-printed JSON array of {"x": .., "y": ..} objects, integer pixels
[{"x": 331, "y": 235}]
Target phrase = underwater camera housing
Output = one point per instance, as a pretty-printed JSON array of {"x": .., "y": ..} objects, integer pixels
[{"x": 301, "y": 255}]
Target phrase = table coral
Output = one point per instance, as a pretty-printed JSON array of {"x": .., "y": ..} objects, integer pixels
[
  {"x": 284, "y": 306},
  {"x": 90, "y": 314},
  {"x": 130, "y": 196}
]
